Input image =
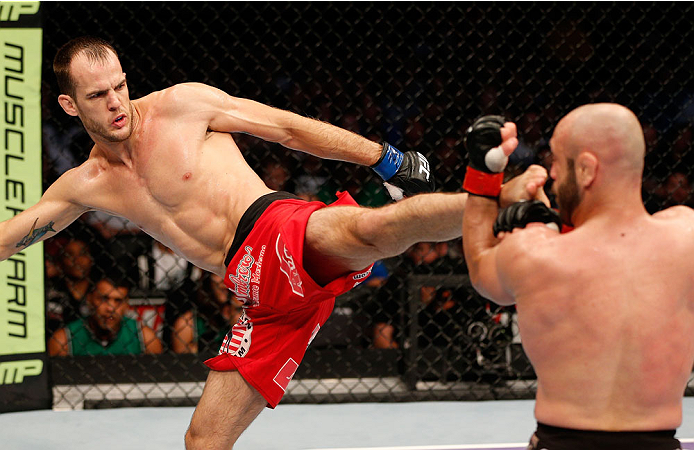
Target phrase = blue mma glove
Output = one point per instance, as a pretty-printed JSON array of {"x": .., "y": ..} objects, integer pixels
[{"x": 404, "y": 174}]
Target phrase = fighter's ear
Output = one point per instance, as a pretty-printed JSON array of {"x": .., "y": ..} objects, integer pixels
[
  {"x": 68, "y": 104},
  {"x": 586, "y": 168}
]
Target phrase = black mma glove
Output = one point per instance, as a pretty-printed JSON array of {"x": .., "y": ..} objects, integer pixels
[
  {"x": 519, "y": 214},
  {"x": 485, "y": 170},
  {"x": 404, "y": 174}
]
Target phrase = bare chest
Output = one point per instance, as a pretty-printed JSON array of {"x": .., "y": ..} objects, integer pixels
[{"x": 168, "y": 164}]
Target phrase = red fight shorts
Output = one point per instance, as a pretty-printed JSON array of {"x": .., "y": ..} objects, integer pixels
[{"x": 283, "y": 307}]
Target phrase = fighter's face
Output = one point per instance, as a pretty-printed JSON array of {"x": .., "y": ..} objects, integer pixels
[
  {"x": 101, "y": 98},
  {"x": 109, "y": 303}
]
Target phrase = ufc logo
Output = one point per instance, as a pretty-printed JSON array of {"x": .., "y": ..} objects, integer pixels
[{"x": 423, "y": 166}]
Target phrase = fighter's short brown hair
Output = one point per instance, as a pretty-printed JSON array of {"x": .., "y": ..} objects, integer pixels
[{"x": 96, "y": 49}]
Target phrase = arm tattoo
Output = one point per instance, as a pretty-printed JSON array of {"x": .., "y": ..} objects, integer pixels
[{"x": 35, "y": 234}]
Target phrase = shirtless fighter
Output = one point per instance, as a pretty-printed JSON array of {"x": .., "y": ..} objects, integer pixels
[
  {"x": 168, "y": 163},
  {"x": 606, "y": 311}
]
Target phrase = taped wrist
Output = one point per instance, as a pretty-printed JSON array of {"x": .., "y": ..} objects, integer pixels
[
  {"x": 483, "y": 183},
  {"x": 389, "y": 163}
]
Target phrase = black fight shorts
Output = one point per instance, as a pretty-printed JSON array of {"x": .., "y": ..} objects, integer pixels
[{"x": 555, "y": 438}]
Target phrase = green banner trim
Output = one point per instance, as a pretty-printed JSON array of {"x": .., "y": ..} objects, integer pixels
[{"x": 22, "y": 323}]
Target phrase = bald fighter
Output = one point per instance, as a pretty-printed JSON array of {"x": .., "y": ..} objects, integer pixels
[
  {"x": 168, "y": 163},
  {"x": 606, "y": 311}
]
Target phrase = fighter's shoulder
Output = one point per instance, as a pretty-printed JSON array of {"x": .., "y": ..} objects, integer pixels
[
  {"x": 525, "y": 253},
  {"x": 675, "y": 212},
  {"x": 532, "y": 246},
  {"x": 676, "y": 215},
  {"x": 533, "y": 238},
  {"x": 85, "y": 177},
  {"x": 680, "y": 219},
  {"x": 188, "y": 96}
]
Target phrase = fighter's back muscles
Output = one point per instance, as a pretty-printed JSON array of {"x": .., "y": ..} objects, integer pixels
[{"x": 521, "y": 254}]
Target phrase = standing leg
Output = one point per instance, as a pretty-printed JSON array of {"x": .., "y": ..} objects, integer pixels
[
  {"x": 227, "y": 407},
  {"x": 343, "y": 239}
]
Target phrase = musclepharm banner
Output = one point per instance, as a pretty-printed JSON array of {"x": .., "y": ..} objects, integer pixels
[{"x": 23, "y": 363}]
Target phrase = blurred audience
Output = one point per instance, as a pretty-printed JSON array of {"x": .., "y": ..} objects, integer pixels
[
  {"x": 276, "y": 176},
  {"x": 106, "y": 330},
  {"x": 388, "y": 307},
  {"x": 675, "y": 190},
  {"x": 203, "y": 327},
  {"x": 69, "y": 268}
]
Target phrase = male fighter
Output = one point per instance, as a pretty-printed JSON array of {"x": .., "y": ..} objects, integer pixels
[
  {"x": 168, "y": 163},
  {"x": 606, "y": 311}
]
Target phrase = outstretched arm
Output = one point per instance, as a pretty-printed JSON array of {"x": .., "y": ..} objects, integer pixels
[
  {"x": 405, "y": 174},
  {"x": 56, "y": 210},
  {"x": 233, "y": 114}
]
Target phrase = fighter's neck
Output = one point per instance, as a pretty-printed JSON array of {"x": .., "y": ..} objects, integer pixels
[{"x": 626, "y": 209}]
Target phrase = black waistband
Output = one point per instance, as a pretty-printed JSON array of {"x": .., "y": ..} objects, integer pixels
[
  {"x": 249, "y": 218},
  {"x": 614, "y": 440}
]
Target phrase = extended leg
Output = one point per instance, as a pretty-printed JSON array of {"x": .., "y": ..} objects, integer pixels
[
  {"x": 227, "y": 407},
  {"x": 345, "y": 238}
]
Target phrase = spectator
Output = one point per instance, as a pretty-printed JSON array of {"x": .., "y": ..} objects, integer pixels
[
  {"x": 530, "y": 139},
  {"x": 677, "y": 190},
  {"x": 205, "y": 326},
  {"x": 313, "y": 180},
  {"x": 163, "y": 273},
  {"x": 276, "y": 176},
  {"x": 66, "y": 295},
  {"x": 421, "y": 258},
  {"x": 106, "y": 331},
  {"x": 168, "y": 271},
  {"x": 447, "y": 163},
  {"x": 679, "y": 153}
]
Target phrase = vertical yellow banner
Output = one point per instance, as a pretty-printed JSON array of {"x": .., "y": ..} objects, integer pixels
[{"x": 22, "y": 327}]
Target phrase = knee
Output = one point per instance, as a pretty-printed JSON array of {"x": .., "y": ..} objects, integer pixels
[
  {"x": 196, "y": 440},
  {"x": 191, "y": 439},
  {"x": 208, "y": 438},
  {"x": 374, "y": 227}
]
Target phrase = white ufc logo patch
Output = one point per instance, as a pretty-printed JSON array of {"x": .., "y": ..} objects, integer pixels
[{"x": 423, "y": 166}]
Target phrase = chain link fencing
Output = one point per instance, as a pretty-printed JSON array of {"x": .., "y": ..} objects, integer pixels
[{"x": 413, "y": 74}]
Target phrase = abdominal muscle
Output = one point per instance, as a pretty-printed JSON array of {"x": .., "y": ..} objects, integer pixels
[{"x": 194, "y": 207}]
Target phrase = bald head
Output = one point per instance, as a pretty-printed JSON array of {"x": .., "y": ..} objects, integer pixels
[{"x": 610, "y": 131}]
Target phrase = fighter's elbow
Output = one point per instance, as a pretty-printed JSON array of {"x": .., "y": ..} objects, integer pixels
[
  {"x": 474, "y": 268},
  {"x": 479, "y": 286},
  {"x": 489, "y": 288},
  {"x": 6, "y": 252},
  {"x": 475, "y": 279}
]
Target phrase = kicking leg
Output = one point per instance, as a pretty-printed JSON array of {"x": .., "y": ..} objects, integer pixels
[
  {"x": 343, "y": 239},
  {"x": 227, "y": 407}
]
